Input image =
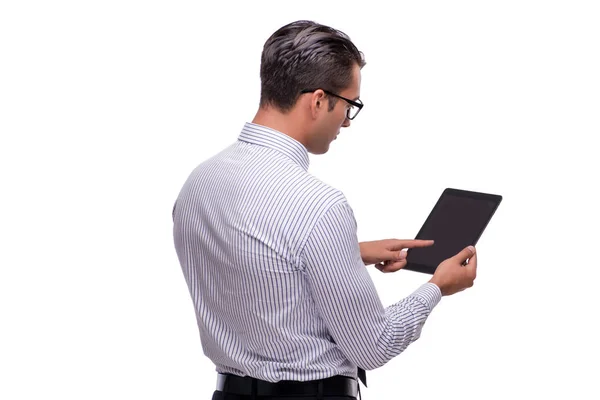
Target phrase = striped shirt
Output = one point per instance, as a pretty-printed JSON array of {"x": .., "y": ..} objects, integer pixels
[{"x": 271, "y": 258}]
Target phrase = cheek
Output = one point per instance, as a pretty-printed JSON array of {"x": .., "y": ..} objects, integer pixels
[
  {"x": 343, "y": 115},
  {"x": 340, "y": 116}
]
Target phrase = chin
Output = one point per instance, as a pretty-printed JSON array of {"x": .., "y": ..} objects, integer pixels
[
  {"x": 318, "y": 150},
  {"x": 321, "y": 151}
]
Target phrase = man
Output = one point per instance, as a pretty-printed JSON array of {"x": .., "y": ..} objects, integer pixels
[{"x": 284, "y": 303}]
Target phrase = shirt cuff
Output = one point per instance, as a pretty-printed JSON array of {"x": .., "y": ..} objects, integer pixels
[{"x": 428, "y": 294}]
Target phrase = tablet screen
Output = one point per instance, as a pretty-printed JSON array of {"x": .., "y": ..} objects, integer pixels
[{"x": 457, "y": 221}]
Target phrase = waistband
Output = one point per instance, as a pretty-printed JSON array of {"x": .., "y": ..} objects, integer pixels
[{"x": 247, "y": 386}]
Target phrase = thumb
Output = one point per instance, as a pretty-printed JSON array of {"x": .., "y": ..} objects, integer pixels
[
  {"x": 465, "y": 254},
  {"x": 400, "y": 256},
  {"x": 472, "y": 265}
]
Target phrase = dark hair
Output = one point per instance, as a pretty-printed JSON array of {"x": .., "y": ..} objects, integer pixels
[{"x": 305, "y": 55}]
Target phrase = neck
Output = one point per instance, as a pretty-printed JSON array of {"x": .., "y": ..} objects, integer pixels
[{"x": 287, "y": 123}]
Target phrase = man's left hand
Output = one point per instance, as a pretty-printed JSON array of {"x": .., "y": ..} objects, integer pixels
[{"x": 389, "y": 255}]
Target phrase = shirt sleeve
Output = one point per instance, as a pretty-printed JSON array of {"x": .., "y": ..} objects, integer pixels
[{"x": 345, "y": 296}]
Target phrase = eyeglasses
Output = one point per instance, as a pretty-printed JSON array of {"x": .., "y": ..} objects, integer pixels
[{"x": 352, "y": 112}]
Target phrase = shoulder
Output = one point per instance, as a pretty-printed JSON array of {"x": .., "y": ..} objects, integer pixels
[
  {"x": 329, "y": 218},
  {"x": 326, "y": 207},
  {"x": 321, "y": 195}
]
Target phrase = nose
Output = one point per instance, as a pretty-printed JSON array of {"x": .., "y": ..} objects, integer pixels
[{"x": 346, "y": 123}]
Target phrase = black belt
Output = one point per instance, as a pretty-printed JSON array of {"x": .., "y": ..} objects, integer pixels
[{"x": 243, "y": 385}]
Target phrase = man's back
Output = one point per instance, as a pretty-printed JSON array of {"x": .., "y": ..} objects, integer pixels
[{"x": 241, "y": 222}]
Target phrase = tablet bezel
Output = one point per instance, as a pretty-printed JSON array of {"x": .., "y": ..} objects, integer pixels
[{"x": 411, "y": 266}]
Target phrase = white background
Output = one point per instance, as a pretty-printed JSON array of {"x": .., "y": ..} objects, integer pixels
[{"x": 107, "y": 106}]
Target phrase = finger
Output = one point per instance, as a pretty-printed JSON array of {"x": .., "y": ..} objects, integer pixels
[
  {"x": 398, "y": 255},
  {"x": 472, "y": 266},
  {"x": 465, "y": 254},
  {"x": 409, "y": 244},
  {"x": 383, "y": 267},
  {"x": 396, "y": 266}
]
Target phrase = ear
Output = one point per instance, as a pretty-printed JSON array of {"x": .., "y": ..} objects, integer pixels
[{"x": 318, "y": 103}]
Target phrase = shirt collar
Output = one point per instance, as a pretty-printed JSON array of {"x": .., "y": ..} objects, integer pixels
[{"x": 272, "y": 139}]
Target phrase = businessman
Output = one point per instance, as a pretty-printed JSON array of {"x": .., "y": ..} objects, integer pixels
[{"x": 284, "y": 302}]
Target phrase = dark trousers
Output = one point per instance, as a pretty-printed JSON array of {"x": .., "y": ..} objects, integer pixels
[{"x": 228, "y": 396}]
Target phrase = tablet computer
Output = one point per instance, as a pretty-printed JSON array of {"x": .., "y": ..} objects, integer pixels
[{"x": 456, "y": 221}]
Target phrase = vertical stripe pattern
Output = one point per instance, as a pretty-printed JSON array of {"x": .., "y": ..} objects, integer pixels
[{"x": 272, "y": 262}]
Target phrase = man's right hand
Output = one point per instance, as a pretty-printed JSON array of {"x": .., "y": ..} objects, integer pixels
[{"x": 453, "y": 276}]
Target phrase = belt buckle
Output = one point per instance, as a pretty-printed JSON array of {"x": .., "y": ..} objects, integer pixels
[
  {"x": 234, "y": 384},
  {"x": 220, "y": 381}
]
